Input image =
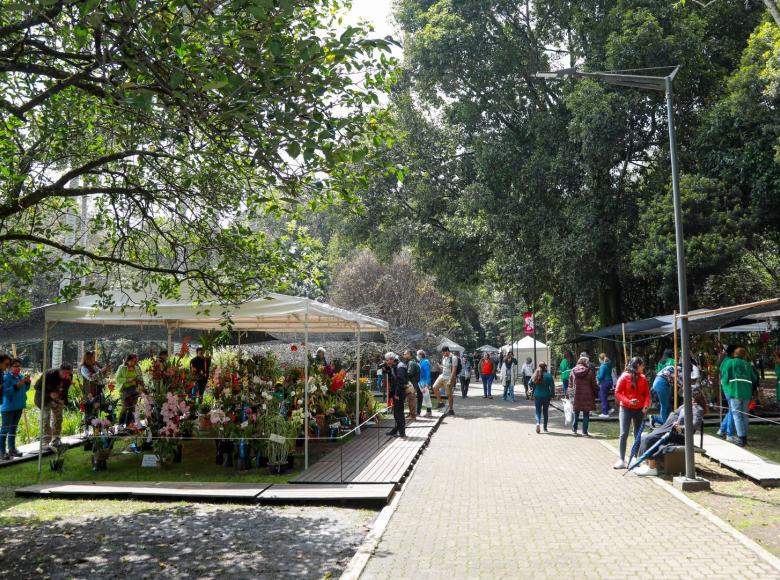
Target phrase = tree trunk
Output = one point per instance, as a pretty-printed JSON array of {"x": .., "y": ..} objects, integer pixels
[
  {"x": 771, "y": 5},
  {"x": 609, "y": 296}
]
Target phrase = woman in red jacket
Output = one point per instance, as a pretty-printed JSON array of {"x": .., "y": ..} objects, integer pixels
[{"x": 633, "y": 394}]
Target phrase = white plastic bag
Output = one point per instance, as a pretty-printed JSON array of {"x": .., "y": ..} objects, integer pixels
[
  {"x": 426, "y": 402},
  {"x": 568, "y": 412}
]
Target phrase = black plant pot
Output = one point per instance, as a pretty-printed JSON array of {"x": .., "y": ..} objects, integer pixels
[
  {"x": 261, "y": 461},
  {"x": 228, "y": 453},
  {"x": 57, "y": 465},
  {"x": 178, "y": 453},
  {"x": 99, "y": 464},
  {"x": 88, "y": 445},
  {"x": 220, "y": 452},
  {"x": 290, "y": 461},
  {"x": 147, "y": 446}
]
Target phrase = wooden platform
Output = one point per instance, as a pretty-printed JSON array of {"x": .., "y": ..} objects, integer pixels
[
  {"x": 262, "y": 493},
  {"x": 372, "y": 457},
  {"x": 30, "y": 451},
  {"x": 743, "y": 461}
]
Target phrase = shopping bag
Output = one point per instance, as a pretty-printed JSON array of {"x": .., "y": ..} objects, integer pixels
[
  {"x": 568, "y": 412},
  {"x": 426, "y": 398}
]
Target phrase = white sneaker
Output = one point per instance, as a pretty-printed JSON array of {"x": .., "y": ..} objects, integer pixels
[
  {"x": 612, "y": 411},
  {"x": 620, "y": 464},
  {"x": 645, "y": 471},
  {"x": 603, "y": 416}
]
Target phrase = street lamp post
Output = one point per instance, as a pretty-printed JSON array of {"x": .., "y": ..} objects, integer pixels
[{"x": 662, "y": 84}]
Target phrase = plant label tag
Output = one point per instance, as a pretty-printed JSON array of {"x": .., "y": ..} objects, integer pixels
[
  {"x": 277, "y": 439},
  {"x": 245, "y": 424},
  {"x": 150, "y": 461}
]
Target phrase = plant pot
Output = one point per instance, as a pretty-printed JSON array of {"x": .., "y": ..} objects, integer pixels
[
  {"x": 147, "y": 446},
  {"x": 57, "y": 465},
  {"x": 88, "y": 444},
  {"x": 99, "y": 464},
  {"x": 227, "y": 449},
  {"x": 178, "y": 453},
  {"x": 261, "y": 461},
  {"x": 291, "y": 462},
  {"x": 277, "y": 468},
  {"x": 321, "y": 423}
]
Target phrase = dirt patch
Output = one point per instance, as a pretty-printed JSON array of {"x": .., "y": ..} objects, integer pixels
[{"x": 753, "y": 510}]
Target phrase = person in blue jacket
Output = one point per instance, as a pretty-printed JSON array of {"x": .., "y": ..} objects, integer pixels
[
  {"x": 15, "y": 387},
  {"x": 604, "y": 379}
]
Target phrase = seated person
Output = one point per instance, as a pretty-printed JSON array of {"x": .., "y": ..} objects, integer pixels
[{"x": 674, "y": 427}]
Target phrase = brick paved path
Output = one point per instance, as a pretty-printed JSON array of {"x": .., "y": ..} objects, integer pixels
[{"x": 514, "y": 504}]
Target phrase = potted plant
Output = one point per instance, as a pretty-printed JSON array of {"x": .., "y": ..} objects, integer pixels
[{"x": 204, "y": 419}]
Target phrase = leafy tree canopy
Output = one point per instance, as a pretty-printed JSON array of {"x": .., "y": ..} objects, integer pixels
[{"x": 184, "y": 124}]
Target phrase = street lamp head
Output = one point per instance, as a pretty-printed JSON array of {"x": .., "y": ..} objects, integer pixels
[{"x": 556, "y": 74}]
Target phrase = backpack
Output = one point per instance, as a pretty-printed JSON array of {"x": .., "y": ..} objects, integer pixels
[{"x": 459, "y": 366}]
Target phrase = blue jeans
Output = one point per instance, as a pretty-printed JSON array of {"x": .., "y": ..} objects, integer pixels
[
  {"x": 565, "y": 387},
  {"x": 509, "y": 390},
  {"x": 8, "y": 431},
  {"x": 627, "y": 418},
  {"x": 542, "y": 409},
  {"x": 727, "y": 425},
  {"x": 738, "y": 408},
  {"x": 585, "y": 421},
  {"x": 664, "y": 392},
  {"x": 604, "y": 388},
  {"x": 487, "y": 383}
]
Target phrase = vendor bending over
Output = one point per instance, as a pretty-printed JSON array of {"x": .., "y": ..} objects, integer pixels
[{"x": 675, "y": 427}]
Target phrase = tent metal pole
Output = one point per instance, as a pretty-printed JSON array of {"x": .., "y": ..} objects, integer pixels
[
  {"x": 44, "y": 368},
  {"x": 675, "y": 359},
  {"x": 306, "y": 389},
  {"x": 357, "y": 387},
  {"x": 720, "y": 389}
]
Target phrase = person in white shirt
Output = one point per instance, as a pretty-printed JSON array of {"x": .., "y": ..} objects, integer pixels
[
  {"x": 528, "y": 372},
  {"x": 447, "y": 378}
]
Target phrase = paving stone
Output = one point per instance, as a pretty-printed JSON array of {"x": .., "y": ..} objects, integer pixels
[{"x": 490, "y": 498}]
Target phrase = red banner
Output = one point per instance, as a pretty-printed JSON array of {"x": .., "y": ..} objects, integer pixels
[{"x": 528, "y": 323}]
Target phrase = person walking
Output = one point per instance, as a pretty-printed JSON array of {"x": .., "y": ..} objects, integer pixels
[
  {"x": 465, "y": 375},
  {"x": 632, "y": 393},
  {"x": 446, "y": 380},
  {"x": 128, "y": 380},
  {"x": 413, "y": 388},
  {"x": 527, "y": 371},
  {"x": 543, "y": 386},
  {"x": 425, "y": 383},
  {"x": 93, "y": 378},
  {"x": 565, "y": 369},
  {"x": 508, "y": 376},
  {"x": 397, "y": 373},
  {"x": 51, "y": 395},
  {"x": 583, "y": 381},
  {"x": 15, "y": 385},
  {"x": 742, "y": 380},
  {"x": 726, "y": 428},
  {"x": 604, "y": 379},
  {"x": 486, "y": 372}
]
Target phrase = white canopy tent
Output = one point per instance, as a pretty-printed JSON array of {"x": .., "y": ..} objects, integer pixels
[
  {"x": 453, "y": 346},
  {"x": 524, "y": 348},
  {"x": 275, "y": 312}
]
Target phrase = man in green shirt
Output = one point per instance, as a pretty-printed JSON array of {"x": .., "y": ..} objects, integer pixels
[
  {"x": 667, "y": 360},
  {"x": 565, "y": 370}
]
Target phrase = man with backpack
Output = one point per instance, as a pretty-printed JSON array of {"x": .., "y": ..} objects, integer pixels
[
  {"x": 449, "y": 374},
  {"x": 53, "y": 389}
]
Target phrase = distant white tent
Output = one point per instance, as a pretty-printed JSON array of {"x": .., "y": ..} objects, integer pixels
[
  {"x": 488, "y": 348},
  {"x": 453, "y": 346},
  {"x": 524, "y": 348}
]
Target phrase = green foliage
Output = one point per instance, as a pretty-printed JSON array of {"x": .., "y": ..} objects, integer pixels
[
  {"x": 557, "y": 193},
  {"x": 185, "y": 125}
]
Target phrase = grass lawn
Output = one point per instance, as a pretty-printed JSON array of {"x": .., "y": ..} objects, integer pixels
[{"x": 198, "y": 464}]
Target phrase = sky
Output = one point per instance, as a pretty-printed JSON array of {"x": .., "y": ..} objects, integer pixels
[{"x": 378, "y": 12}]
